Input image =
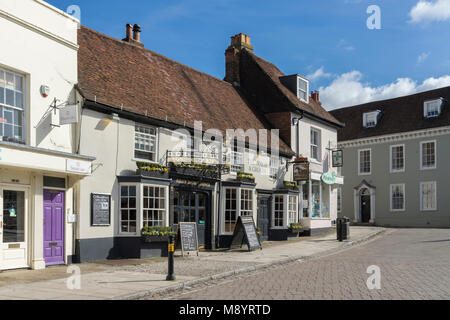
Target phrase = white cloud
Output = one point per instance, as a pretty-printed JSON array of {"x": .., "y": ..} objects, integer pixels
[
  {"x": 343, "y": 44},
  {"x": 348, "y": 89},
  {"x": 422, "y": 57},
  {"x": 318, "y": 74},
  {"x": 438, "y": 10}
]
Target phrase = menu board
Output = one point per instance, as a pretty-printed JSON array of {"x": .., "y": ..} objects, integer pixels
[
  {"x": 100, "y": 209},
  {"x": 245, "y": 232},
  {"x": 187, "y": 237}
]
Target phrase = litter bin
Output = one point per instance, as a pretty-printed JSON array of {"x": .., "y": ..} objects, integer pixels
[{"x": 343, "y": 228}]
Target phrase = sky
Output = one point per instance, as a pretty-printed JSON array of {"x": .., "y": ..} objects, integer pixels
[{"x": 328, "y": 41}]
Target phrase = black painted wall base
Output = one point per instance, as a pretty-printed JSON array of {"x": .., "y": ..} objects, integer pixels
[
  {"x": 224, "y": 241},
  {"x": 88, "y": 250},
  {"x": 278, "y": 234}
]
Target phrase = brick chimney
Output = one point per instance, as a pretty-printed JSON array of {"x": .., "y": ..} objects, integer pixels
[
  {"x": 239, "y": 42},
  {"x": 315, "y": 96},
  {"x": 133, "y": 35}
]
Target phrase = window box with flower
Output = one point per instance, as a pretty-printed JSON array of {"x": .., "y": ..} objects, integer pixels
[
  {"x": 295, "y": 229},
  {"x": 245, "y": 177},
  {"x": 291, "y": 186},
  {"x": 157, "y": 234},
  {"x": 152, "y": 170},
  {"x": 195, "y": 170}
]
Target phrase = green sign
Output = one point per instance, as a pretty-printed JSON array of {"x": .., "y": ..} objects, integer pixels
[
  {"x": 329, "y": 178},
  {"x": 338, "y": 158}
]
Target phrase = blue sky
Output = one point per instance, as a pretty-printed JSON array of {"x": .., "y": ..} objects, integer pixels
[{"x": 327, "y": 40}]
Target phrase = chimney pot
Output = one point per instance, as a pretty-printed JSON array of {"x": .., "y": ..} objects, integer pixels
[
  {"x": 315, "y": 96},
  {"x": 129, "y": 33},
  {"x": 137, "y": 33}
]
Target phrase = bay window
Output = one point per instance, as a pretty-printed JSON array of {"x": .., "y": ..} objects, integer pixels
[
  {"x": 142, "y": 205},
  {"x": 292, "y": 209},
  {"x": 278, "y": 212},
  {"x": 154, "y": 206},
  {"x": 12, "y": 105},
  {"x": 238, "y": 202},
  {"x": 128, "y": 209}
]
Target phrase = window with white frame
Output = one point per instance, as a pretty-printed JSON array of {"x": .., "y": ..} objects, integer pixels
[
  {"x": 278, "y": 213},
  {"x": 428, "y": 155},
  {"x": 246, "y": 202},
  {"x": 12, "y": 105},
  {"x": 364, "y": 161},
  {"x": 432, "y": 108},
  {"x": 428, "y": 198},
  {"x": 339, "y": 199},
  {"x": 398, "y": 158},
  {"x": 292, "y": 209},
  {"x": 238, "y": 202},
  {"x": 230, "y": 209},
  {"x": 237, "y": 162},
  {"x": 397, "y": 197},
  {"x": 145, "y": 143},
  {"x": 315, "y": 144},
  {"x": 154, "y": 206},
  {"x": 128, "y": 209},
  {"x": 274, "y": 167},
  {"x": 302, "y": 89}
]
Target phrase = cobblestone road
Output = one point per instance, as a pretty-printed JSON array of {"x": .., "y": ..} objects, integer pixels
[{"x": 414, "y": 264}]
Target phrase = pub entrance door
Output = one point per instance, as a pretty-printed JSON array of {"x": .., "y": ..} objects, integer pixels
[{"x": 192, "y": 206}]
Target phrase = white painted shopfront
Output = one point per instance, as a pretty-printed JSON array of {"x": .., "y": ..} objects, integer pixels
[{"x": 39, "y": 164}]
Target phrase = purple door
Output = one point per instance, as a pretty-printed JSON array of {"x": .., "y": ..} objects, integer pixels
[{"x": 53, "y": 227}]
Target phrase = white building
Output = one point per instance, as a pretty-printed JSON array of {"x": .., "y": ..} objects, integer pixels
[{"x": 39, "y": 164}]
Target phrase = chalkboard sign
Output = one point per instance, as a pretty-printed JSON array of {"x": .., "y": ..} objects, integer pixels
[
  {"x": 187, "y": 239},
  {"x": 245, "y": 231},
  {"x": 100, "y": 209}
]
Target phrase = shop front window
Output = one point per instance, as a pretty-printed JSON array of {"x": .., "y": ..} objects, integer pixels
[
  {"x": 278, "y": 213},
  {"x": 305, "y": 189},
  {"x": 128, "y": 209},
  {"x": 13, "y": 216},
  {"x": 154, "y": 205},
  {"x": 246, "y": 202},
  {"x": 316, "y": 194}
]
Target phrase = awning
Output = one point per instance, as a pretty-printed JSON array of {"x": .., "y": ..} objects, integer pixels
[{"x": 23, "y": 156}]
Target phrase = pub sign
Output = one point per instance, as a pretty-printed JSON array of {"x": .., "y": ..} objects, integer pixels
[{"x": 301, "y": 171}]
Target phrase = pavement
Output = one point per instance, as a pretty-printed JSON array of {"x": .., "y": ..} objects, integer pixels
[
  {"x": 144, "y": 278},
  {"x": 403, "y": 264}
]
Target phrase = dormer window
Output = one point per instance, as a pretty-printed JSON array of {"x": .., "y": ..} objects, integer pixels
[
  {"x": 297, "y": 85},
  {"x": 370, "y": 119},
  {"x": 432, "y": 108},
  {"x": 302, "y": 89}
]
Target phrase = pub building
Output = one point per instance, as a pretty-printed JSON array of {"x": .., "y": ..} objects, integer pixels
[
  {"x": 39, "y": 165},
  {"x": 138, "y": 116}
]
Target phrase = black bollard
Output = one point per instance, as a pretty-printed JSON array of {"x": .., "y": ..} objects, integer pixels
[{"x": 171, "y": 273}]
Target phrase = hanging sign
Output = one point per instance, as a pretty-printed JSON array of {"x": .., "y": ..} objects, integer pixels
[
  {"x": 245, "y": 232},
  {"x": 338, "y": 158},
  {"x": 187, "y": 239},
  {"x": 301, "y": 171},
  {"x": 78, "y": 166},
  {"x": 68, "y": 115},
  {"x": 329, "y": 178}
]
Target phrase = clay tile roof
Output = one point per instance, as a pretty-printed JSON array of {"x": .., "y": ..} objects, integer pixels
[
  {"x": 398, "y": 115},
  {"x": 116, "y": 73},
  {"x": 312, "y": 107}
]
